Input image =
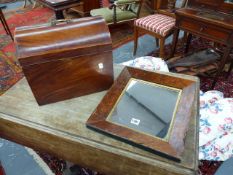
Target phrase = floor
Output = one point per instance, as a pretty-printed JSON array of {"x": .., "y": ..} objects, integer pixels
[{"x": 16, "y": 159}]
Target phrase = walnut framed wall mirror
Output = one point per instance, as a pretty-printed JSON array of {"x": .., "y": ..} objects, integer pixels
[{"x": 148, "y": 110}]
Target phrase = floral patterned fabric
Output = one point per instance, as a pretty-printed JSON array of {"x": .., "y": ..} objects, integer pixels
[
  {"x": 149, "y": 63},
  {"x": 216, "y": 126},
  {"x": 216, "y": 116}
]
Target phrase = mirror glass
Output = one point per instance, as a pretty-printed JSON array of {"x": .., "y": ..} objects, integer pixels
[
  {"x": 180, "y": 3},
  {"x": 146, "y": 107},
  {"x": 228, "y": 1}
]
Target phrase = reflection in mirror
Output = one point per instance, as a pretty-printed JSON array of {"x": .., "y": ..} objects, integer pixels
[
  {"x": 146, "y": 107},
  {"x": 180, "y": 3},
  {"x": 228, "y": 1}
]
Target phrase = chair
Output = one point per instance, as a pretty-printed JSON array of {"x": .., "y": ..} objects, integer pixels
[
  {"x": 160, "y": 25},
  {"x": 120, "y": 11}
]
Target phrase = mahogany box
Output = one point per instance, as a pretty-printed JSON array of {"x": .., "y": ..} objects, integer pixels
[{"x": 66, "y": 59}]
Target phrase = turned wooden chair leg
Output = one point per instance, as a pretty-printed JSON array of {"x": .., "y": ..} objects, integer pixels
[
  {"x": 135, "y": 40},
  {"x": 161, "y": 50}
]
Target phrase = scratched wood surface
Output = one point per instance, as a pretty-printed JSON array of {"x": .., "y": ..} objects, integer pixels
[{"x": 60, "y": 129}]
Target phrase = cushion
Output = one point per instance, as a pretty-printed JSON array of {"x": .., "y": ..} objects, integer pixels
[
  {"x": 158, "y": 23},
  {"x": 107, "y": 14}
]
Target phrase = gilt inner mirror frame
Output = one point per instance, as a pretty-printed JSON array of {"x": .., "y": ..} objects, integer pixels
[{"x": 148, "y": 110}]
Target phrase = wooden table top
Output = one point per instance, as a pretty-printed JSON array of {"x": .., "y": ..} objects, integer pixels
[
  {"x": 215, "y": 18},
  {"x": 60, "y": 129}
]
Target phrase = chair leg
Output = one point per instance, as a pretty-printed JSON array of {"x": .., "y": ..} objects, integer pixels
[
  {"x": 161, "y": 50},
  {"x": 135, "y": 40},
  {"x": 5, "y": 25}
]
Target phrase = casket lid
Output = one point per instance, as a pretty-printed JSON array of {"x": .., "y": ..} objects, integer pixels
[{"x": 62, "y": 40}]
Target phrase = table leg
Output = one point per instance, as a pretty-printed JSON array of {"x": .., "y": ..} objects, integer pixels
[
  {"x": 59, "y": 14},
  {"x": 174, "y": 42},
  {"x": 221, "y": 65},
  {"x": 188, "y": 43},
  {"x": 230, "y": 68}
]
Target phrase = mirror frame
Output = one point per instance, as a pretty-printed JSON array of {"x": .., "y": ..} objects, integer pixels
[
  {"x": 171, "y": 149},
  {"x": 154, "y": 85}
]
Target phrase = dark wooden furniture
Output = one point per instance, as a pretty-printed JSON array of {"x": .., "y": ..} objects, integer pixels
[
  {"x": 60, "y": 129},
  {"x": 86, "y": 6},
  {"x": 153, "y": 126},
  {"x": 4, "y": 23},
  {"x": 210, "y": 19},
  {"x": 59, "y": 5},
  {"x": 67, "y": 59}
]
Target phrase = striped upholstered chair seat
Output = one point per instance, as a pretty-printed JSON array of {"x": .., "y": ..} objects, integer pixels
[{"x": 158, "y": 23}]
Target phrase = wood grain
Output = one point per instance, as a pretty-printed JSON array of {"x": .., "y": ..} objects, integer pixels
[
  {"x": 59, "y": 129},
  {"x": 217, "y": 5},
  {"x": 63, "y": 61},
  {"x": 172, "y": 148},
  {"x": 214, "y": 22}
]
